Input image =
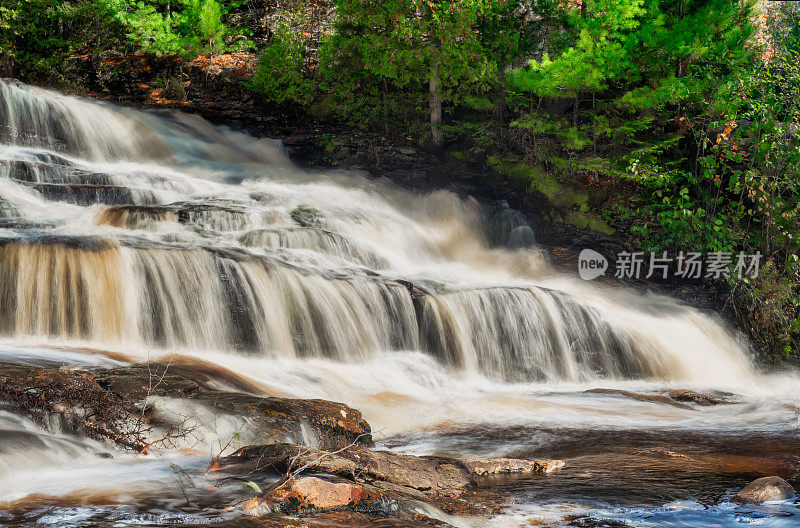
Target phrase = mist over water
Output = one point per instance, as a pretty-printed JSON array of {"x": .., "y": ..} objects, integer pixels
[{"x": 128, "y": 236}]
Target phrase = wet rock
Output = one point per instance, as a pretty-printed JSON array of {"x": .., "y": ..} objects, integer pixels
[
  {"x": 88, "y": 194},
  {"x": 334, "y": 425},
  {"x": 408, "y": 475},
  {"x": 388, "y": 471},
  {"x": 654, "y": 398},
  {"x": 765, "y": 489},
  {"x": 660, "y": 453},
  {"x": 330, "y": 519},
  {"x": 281, "y": 457},
  {"x": 676, "y": 398},
  {"x": 140, "y": 381},
  {"x": 495, "y": 466},
  {"x": 509, "y": 227},
  {"x": 426, "y": 474},
  {"x": 307, "y": 216},
  {"x": 704, "y": 400},
  {"x": 123, "y": 405},
  {"x": 70, "y": 400},
  {"x": 306, "y": 494}
]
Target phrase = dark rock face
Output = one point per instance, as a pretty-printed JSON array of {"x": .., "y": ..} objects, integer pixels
[
  {"x": 281, "y": 457},
  {"x": 387, "y": 471},
  {"x": 765, "y": 489},
  {"x": 411, "y": 474},
  {"x": 330, "y": 519}
]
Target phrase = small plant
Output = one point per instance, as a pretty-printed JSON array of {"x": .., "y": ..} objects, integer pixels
[{"x": 172, "y": 87}]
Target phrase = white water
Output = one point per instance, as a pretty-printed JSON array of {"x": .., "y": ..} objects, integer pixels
[
  {"x": 205, "y": 252},
  {"x": 162, "y": 237}
]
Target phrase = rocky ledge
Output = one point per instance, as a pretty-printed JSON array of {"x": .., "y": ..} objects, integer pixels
[
  {"x": 297, "y": 457},
  {"x": 134, "y": 407},
  {"x": 311, "y": 481}
]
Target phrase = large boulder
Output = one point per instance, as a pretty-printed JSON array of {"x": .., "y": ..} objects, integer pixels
[
  {"x": 140, "y": 406},
  {"x": 765, "y": 489},
  {"x": 408, "y": 474},
  {"x": 193, "y": 385},
  {"x": 283, "y": 458},
  {"x": 321, "y": 423}
]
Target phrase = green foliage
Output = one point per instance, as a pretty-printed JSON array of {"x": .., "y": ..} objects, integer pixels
[
  {"x": 283, "y": 70},
  {"x": 150, "y": 28},
  {"x": 180, "y": 26},
  {"x": 649, "y": 53},
  {"x": 210, "y": 27},
  {"x": 432, "y": 52},
  {"x": 378, "y": 65},
  {"x": 622, "y": 62},
  {"x": 37, "y": 36}
]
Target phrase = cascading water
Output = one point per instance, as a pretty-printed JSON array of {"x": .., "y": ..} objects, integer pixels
[
  {"x": 161, "y": 235},
  {"x": 128, "y": 243}
]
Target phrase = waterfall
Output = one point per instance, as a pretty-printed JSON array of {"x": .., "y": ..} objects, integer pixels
[
  {"x": 40, "y": 118},
  {"x": 124, "y": 229}
]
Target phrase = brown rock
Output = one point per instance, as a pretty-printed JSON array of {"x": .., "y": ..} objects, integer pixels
[
  {"x": 110, "y": 404},
  {"x": 306, "y": 494},
  {"x": 73, "y": 397},
  {"x": 336, "y": 425},
  {"x": 318, "y": 494},
  {"x": 429, "y": 474},
  {"x": 704, "y": 400},
  {"x": 765, "y": 489},
  {"x": 654, "y": 398},
  {"x": 417, "y": 476},
  {"x": 659, "y": 452},
  {"x": 389, "y": 471},
  {"x": 494, "y": 466},
  {"x": 547, "y": 466},
  {"x": 331, "y": 519},
  {"x": 137, "y": 382},
  {"x": 283, "y": 457}
]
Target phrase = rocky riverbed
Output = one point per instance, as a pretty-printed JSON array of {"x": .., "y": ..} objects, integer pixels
[
  {"x": 311, "y": 457},
  {"x": 311, "y": 462}
]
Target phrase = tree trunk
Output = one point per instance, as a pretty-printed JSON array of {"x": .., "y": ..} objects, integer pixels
[
  {"x": 575, "y": 110},
  {"x": 436, "y": 108}
]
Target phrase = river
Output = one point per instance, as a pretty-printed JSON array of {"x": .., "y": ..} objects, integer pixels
[{"x": 130, "y": 236}]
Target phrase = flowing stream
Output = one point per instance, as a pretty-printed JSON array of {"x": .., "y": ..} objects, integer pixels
[{"x": 128, "y": 236}]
